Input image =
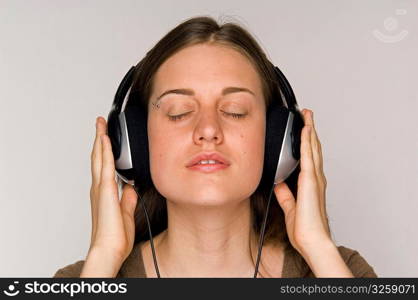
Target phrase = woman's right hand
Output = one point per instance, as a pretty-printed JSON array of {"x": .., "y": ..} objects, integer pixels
[{"x": 113, "y": 224}]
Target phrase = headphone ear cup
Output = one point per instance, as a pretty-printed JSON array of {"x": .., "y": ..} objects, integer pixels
[
  {"x": 298, "y": 125},
  {"x": 136, "y": 122},
  {"x": 276, "y": 120},
  {"x": 114, "y": 133}
]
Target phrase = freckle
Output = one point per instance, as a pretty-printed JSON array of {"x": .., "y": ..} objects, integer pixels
[{"x": 242, "y": 136}]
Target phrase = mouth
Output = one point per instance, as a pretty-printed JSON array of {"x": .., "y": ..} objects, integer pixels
[
  {"x": 208, "y": 168},
  {"x": 206, "y": 157},
  {"x": 208, "y": 162}
]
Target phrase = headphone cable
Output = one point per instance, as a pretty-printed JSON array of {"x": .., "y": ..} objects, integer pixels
[
  {"x": 261, "y": 241},
  {"x": 150, "y": 234}
]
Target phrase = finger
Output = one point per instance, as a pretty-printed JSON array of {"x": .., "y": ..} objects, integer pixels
[
  {"x": 285, "y": 198},
  {"x": 306, "y": 159},
  {"x": 96, "y": 155},
  {"x": 317, "y": 157},
  {"x": 128, "y": 204},
  {"x": 317, "y": 151},
  {"x": 317, "y": 142},
  {"x": 108, "y": 206},
  {"x": 96, "y": 167},
  {"x": 306, "y": 118},
  {"x": 129, "y": 199},
  {"x": 316, "y": 148},
  {"x": 108, "y": 164}
]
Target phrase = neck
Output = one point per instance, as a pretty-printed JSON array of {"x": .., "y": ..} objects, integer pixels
[{"x": 210, "y": 241}]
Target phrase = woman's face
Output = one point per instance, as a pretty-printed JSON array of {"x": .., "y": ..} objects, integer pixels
[{"x": 206, "y": 70}]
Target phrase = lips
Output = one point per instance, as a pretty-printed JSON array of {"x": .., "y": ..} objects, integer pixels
[{"x": 207, "y": 156}]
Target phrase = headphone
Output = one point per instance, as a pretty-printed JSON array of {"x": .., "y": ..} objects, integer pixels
[{"x": 127, "y": 130}]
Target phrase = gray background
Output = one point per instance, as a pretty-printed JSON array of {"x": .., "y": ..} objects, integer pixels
[{"x": 60, "y": 65}]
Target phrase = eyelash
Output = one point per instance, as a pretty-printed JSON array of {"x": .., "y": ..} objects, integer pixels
[{"x": 179, "y": 117}]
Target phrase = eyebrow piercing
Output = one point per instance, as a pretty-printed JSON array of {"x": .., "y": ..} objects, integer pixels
[{"x": 156, "y": 104}]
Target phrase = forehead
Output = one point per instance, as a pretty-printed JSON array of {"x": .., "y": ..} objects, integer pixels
[{"x": 207, "y": 69}]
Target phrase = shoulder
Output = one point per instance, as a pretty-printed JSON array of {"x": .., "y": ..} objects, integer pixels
[
  {"x": 72, "y": 270},
  {"x": 358, "y": 265},
  {"x": 356, "y": 262},
  {"x": 131, "y": 267}
]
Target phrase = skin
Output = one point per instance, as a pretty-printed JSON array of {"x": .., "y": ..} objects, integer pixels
[{"x": 208, "y": 213}]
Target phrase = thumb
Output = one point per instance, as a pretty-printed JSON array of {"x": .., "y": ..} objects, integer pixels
[
  {"x": 285, "y": 197},
  {"x": 128, "y": 201}
]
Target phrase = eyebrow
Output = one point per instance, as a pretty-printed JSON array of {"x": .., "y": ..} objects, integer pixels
[{"x": 189, "y": 92}]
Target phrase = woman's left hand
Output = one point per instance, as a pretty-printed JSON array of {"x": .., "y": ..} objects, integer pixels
[{"x": 306, "y": 219}]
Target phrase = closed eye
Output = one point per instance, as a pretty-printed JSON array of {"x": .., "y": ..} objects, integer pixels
[
  {"x": 234, "y": 115},
  {"x": 179, "y": 117}
]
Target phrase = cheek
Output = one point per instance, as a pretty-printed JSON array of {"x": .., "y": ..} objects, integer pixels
[
  {"x": 158, "y": 156},
  {"x": 252, "y": 152},
  {"x": 166, "y": 155}
]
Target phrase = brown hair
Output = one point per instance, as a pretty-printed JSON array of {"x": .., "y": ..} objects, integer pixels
[{"x": 203, "y": 29}]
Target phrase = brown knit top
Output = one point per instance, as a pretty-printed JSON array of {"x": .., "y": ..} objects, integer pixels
[{"x": 294, "y": 266}]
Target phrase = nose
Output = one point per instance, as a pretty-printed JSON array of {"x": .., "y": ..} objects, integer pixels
[{"x": 208, "y": 129}]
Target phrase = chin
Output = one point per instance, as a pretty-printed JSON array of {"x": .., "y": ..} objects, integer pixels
[{"x": 208, "y": 197}]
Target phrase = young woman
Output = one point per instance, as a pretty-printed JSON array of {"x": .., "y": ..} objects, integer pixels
[{"x": 206, "y": 88}]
